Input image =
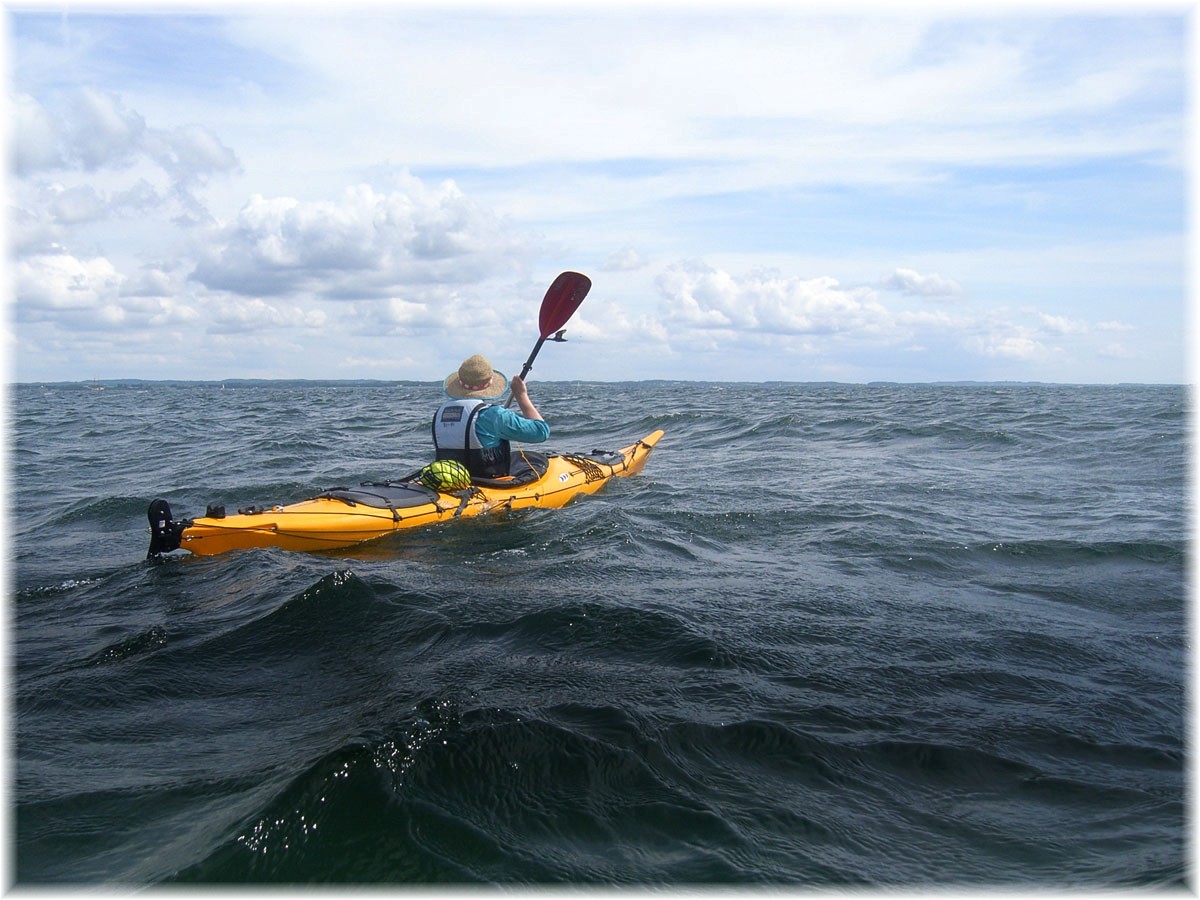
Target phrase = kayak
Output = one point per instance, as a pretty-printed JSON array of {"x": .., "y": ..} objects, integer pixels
[{"x": 345, "y": 516}]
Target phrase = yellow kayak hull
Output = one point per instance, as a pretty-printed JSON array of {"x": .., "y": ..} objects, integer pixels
[{"x": 329, "y": 523}]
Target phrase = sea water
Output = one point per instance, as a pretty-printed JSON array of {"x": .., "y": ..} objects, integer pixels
[{"x": 831, "y": 636}]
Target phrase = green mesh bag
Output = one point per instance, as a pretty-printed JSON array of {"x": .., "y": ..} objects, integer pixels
[{"x": 446, "y": 475}]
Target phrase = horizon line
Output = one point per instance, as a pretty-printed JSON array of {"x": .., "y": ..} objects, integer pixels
[{"x": 415, "y": 381}]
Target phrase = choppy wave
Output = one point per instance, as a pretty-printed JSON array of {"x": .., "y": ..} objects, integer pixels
[{"x": 833, "y": 636}]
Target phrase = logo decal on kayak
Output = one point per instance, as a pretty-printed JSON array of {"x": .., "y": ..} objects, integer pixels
[{"x": 564, "y": 476}]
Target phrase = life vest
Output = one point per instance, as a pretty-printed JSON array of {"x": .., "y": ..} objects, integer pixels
[{"x": 454, "y": 437}]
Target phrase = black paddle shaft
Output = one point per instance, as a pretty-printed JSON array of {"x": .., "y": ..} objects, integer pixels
[
  {"x": 558, "y": 338},
  {"x": 529, "y": 362}
]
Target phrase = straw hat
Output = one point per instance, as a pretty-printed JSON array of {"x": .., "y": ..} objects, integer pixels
[{"x": 476, "y": 378}]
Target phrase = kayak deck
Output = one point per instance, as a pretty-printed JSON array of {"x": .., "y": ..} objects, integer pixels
[{"x": 343, "y": 517}]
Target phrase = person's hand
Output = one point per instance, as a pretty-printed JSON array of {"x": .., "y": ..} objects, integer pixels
[{"x": 518, "y": 387}]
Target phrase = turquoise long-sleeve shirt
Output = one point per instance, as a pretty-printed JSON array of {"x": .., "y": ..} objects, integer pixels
[{"x": 495, "y": 424}]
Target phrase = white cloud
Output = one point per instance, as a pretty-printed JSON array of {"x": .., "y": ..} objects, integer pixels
[
  {"x": 35, "y": 136},
  {"x": 46, "y": 215},
  {"x": 706, "y": 308},
  {"x": 191, "y": 152},
  {"x": 239, "y": 315},
  {"x": 699, "y": 296},
  {"x": 89, "y": 129},
  {"x": 626, "y": 259},
  {"x": 162, "y": 312},
  {"x": 48, "y": 282},
  {"x": 68, "y": 205},
  {"x": 365, "y": 244},
  {"x": 1010, "y": 346},
  {"x": 909, "y": 281},
  {"x": 86, "y": 158},
  {"x": 78, "y": 204},
  {"x": 83, "y": 295},
  {"x": 139, "y": 197},
  {"x": 150, "y": 282},
  {"x": 101, "y": 131},
  {"x": 1062, "y": 324}
]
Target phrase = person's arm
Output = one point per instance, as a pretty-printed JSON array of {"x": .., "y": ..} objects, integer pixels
[
  {"x": 521, "y": 395},
  {"x": 498, "y": 423}
]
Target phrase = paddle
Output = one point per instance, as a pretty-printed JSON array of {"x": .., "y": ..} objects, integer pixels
[{"x": 559, "y": 304}]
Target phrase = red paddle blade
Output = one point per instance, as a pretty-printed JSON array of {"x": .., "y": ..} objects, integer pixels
[{"x": 561, "y": 301}]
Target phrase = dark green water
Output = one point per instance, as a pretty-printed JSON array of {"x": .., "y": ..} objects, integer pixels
[{"x": 833, "y": 635}]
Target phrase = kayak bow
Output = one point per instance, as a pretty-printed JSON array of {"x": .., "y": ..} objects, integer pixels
[{"x": 342, "y": 517}]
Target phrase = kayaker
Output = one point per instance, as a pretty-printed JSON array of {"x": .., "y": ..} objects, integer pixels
[{"x": 477, "y": 433}]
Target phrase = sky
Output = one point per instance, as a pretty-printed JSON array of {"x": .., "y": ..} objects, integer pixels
[{"x": 758, "y": 191}]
